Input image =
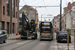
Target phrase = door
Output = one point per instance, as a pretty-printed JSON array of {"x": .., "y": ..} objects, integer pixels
[{"x": 7, "y": 28}]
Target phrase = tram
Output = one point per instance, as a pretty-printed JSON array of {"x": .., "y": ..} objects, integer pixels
[{"x": 46, "y": 30}]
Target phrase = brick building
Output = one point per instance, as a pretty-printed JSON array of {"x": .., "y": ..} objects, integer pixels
[{"x": 9, "y": 15}]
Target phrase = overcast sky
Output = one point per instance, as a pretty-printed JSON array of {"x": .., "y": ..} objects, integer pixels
[{"x": 54, "y": 11}]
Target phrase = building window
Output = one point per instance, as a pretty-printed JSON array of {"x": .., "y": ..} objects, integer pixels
[
  {"x": 16, "y": 14},
  {"x": 7, "y": 1},
  {"x": 8, "y": 27},
  {"x": 3, "y": 10},
  {"x": 13, "y": 8},
  {"x": 65, "y": 25},
  {"x": 16, "y": 2},
  {"x": 7, "y": 7},
  {"x": 2, "y": 25},
  {"x": 13, "y": 27},
  {"x": 55, "y": 25}
]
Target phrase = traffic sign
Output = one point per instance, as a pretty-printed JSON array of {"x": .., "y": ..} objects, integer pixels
[{"x": 73, "y": 8}]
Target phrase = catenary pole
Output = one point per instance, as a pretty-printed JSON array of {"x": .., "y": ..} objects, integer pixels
[{"x": 60, "y": 14}]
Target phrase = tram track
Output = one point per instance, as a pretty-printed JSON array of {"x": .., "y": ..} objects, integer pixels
[
  {"x": 47, "y": 47},
  {"x": 33, "y": 45},
  {"x": 24, "y": 44},
  {"x": 10, "y": 44}
]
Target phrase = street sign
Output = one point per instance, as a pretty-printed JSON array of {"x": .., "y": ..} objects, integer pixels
[
  {"x": 74, "y": 22},
  {"x": 73, "y": 8}
]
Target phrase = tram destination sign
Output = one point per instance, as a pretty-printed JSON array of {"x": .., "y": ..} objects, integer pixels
[{"x": 45, "y": 23}]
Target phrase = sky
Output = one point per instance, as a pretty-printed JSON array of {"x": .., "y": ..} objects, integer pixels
[{"x": 45, "y": 12}]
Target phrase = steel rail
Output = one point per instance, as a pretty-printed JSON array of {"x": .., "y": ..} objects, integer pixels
[
  {"x": 47, "y": 47},
  {"x": 10, "y": 44},
  {"x": 23, "y": 44},
  {"x": 33, "y": 45}
]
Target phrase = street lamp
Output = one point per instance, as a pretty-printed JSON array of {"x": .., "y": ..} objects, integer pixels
[
  {"x": 46, "y": 17},
  {"x": 41, "y": 16}
]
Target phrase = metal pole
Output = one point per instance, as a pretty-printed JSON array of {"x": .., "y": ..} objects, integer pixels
[
  {"x": 41, "y": 17},
  {"x": 74, "y": 39},
  {"x": 35, "y": 14},
  {"x": 60, "y": 13},
  {"x": 68, "y": 39}
]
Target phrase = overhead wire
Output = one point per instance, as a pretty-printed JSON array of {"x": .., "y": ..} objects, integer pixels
[
  {"x": 66, "y": 3},
  {"x": 58, "y": 2},
  {"x": 45, "y": 7},
  {"x": 38, "y": 2},
  {"x": 49, "y": 2},
  {"x": 24, "y": 1},
  {"x": 31, "y": 1}
]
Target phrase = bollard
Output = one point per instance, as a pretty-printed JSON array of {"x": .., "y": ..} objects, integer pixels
[{"x": 68, "y": 39}]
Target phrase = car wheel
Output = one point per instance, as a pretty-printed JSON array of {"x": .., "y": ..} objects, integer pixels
[
  {"x": 40, "y": 39},
  {"x": 4, "y": 41},
  {"x": 56, "y": 38},
  {"x": 57, "y": 41},
  {"x": 35, "y": 36},
  {"x": 25, "y": 38},
  {"x": 52, "y": 38},
  {"x": 21, "y": 37},
  {"x": 69, "y": 41}
]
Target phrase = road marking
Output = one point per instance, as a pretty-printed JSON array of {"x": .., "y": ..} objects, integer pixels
[
  {"x": 72, "y": 42},
  {"x": 42, "y": 44},
  {"x": 20, "y": 43},
  {"x": 56, "y": 45}
]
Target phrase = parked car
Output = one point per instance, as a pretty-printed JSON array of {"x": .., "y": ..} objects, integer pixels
[
  {"x": 3, "y": 36},
  {"x": 62, "y": 36}
]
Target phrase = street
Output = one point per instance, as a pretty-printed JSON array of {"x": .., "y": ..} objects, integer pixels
[{"x": 14, "y": 44}]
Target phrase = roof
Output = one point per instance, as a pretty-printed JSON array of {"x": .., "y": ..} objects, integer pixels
[{"x": 28, "y": 7}]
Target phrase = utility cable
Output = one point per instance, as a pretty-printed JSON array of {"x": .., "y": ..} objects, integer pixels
[
  {"x": 24, "y": 1},
  {"x": 45, "y": 7},
  {"x": 32, "y": 1},
  {"x": 49, "y": 2},
  {"x": 38, "y": 3},
  {"x": 58, "y": 2}
]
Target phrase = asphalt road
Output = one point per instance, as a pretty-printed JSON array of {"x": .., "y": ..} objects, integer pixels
[{"x": 33, "y": 45}]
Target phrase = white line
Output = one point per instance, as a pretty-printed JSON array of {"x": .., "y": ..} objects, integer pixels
[
  {"x": 72, "y": 42},
  {"x": 56, "y": 45}
]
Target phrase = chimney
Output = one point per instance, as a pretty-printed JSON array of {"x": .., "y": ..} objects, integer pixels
[{"x": 69, "y": 6}]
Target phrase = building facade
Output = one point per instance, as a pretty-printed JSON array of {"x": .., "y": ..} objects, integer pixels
[
  {"x": 56, "y": 23},
  {"x": 69, "y": 15},
  {"x": 30, "y": 12},
  {"x": 66, "y": 19},
  {"x": 9, "y": 10}
]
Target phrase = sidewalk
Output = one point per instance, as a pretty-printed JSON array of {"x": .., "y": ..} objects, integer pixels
[{"x": 13, "y": 36}]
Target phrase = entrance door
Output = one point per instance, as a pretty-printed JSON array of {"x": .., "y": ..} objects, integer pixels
[{"x": 8, "y": 27}]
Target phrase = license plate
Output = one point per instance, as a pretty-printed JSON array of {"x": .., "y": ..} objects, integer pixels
[
  {"x": 29, "y": 37},
  {"x": 64, "y": 39}
]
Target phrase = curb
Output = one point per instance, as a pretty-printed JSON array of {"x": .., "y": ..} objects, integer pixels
[{"x": 13, "y": 37}]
